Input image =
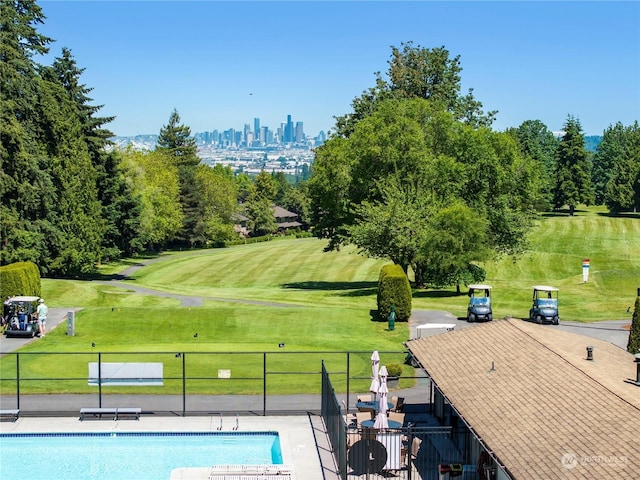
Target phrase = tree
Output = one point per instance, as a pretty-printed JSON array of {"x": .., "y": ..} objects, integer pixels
[
  {"x": 296, "y": 199},
  {"x": 120, "y": 208},
  {"x": 78, "y": 216},
  {"x": 394, "y": 227},
  {"x": 456, "y": 237},
  {"x": 176, "y": 141},
  {"x": 617, "y": 168},
  {"x": 259, "y": 205},
  {"x": 540, "y": 145},
  {"x": 218, "y": 204},
  {"x": 156, "y": 182},
  {"x": 26, "y": 191},
  {"x": 379, "y": 188},
  {"x": 417, "y": 72},
  {"x": 573, "y": 170}
]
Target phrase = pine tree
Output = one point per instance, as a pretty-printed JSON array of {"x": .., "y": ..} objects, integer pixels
[
  {"x": 120, "y": 208},
  {"x": 175, "y": 139},
  {"x": 26, "y": 191},
  {"x": 573, "y": 169}
]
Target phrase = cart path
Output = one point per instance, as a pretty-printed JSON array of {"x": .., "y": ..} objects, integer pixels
[{"x": 186, "y": 300}]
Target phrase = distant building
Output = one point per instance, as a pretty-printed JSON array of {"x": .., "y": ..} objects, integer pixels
[{"x": 285, "y": 219}]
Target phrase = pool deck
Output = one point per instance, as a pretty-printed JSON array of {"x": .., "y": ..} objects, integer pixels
[{"x": 302, "y": 438}]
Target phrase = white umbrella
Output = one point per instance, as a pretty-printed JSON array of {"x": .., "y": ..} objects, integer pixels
[
  {"x": 375, "y": 365},
  {"x": 382, "y": 422}
]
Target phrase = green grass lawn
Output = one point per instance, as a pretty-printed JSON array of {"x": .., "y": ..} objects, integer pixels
[{"x": 330, "y": 298}]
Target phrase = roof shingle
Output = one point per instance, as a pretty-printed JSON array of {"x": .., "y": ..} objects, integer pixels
[{"x": 540, "y": 406}]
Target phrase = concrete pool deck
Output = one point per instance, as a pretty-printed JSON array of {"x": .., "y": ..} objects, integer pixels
[{"x": 301, "y": 441}]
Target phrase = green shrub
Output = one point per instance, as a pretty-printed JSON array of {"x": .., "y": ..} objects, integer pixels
[
  {"x": 394, "y": 289},
  {"x": 20, "y": 278},
  {"x": 633, "y": 346},
  {"x": 394, "y": 370}
]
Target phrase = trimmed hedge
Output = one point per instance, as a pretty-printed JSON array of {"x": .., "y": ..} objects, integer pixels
[
  {"x": 21, "y": 278},
  {"x": 634, "y": 335},
  {"x": 394, "y": 289}
]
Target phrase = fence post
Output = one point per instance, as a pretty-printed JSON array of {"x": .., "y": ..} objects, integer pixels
[
  {"x": 99, "y": 380},
  {"x": 264, "y": 384},
  {"x": 348, "y": 380},
  {"x": 18, "y": 381},
  {"x": 184, "y": 384}
]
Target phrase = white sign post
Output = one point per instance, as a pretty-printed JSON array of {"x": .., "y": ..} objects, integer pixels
[{"x": 585, "y": 270}]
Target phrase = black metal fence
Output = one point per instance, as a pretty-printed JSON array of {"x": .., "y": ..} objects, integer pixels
[
  {"x": 182, "y": 382},
  {"x": 421, "y": 449}
]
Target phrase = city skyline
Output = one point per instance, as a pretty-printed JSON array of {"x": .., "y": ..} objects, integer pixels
[{"x": 223, "y": 63}]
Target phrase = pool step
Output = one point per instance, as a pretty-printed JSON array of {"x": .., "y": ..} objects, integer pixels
[{"x": 235, "y": 472}]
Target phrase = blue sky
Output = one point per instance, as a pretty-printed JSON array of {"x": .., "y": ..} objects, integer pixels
[{"x": 221, "y": 64}]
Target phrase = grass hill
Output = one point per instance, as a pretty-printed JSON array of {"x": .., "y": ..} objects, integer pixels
[{"x": 298, "y": 272}]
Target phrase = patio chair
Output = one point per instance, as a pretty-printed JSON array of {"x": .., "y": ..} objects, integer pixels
[
  {"x": 399, "y": 406},
  {"x": 365, "y": 398},
  {"x": 362, "y": 416},
  {"x": 410, "y": 454},
  {"x": 397, "y": 416},
  {"x": 349, "y": 418},
  {"x": 394, "y": 403}
]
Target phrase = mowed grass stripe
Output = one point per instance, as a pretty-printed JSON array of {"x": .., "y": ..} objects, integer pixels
[{"x": 297, "y": 271}]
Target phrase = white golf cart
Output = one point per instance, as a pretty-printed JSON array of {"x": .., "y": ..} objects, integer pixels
[
  {"x": 545, "y": 305},
  {"x": 20, "y": 318},
  {"x": 479, "y": 308}
]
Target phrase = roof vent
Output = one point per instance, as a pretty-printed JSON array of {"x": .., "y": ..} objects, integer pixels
[{"x": 589, "y": 353}]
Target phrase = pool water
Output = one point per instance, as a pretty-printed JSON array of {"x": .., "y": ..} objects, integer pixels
[{"x": 131, "y": 456}]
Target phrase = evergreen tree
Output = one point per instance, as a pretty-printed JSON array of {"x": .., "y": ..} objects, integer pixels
[
  {"x": 120, "y": 209},
  {"x": 617, "y": 162},
  {"x": 539, "y": 144},
  {"x": 27, "y": 194},
  {"x": 175, "y": 140},
  {"x": 78, "y": 215},
  {"x": 573, "y": 169}
]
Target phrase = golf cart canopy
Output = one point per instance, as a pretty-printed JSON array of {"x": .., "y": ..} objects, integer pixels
[
  {"x": 21, "y": 298},
  {"x": 545, "y": 288}
]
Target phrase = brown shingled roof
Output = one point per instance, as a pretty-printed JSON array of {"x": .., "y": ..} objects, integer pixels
[{"x": 544, "y": 407}]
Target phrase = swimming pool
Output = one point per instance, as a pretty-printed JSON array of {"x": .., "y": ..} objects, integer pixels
[{"x": 129, "y": 455}]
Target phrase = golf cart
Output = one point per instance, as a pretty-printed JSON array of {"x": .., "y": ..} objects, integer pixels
[
  {"x": 479, "y": 308},
  {"x": 20, "y": 318},
  {"x": 545, "y": 305}
]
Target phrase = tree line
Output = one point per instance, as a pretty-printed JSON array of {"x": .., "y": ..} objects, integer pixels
[{"x": 413, "y": 174}]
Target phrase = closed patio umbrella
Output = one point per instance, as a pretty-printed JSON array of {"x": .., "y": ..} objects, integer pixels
[
  {"x": 382, "y": 422},
  {"x": 375, "y": 365}
]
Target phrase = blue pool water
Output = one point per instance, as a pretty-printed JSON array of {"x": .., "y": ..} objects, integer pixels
[{"x": 129, "y": 456}]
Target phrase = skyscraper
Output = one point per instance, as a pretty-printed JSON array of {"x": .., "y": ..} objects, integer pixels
[
  {"x": 256, "y": 128},
  {"x": 299, "y": 135},
  {"x": 288, "y": 130}
]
